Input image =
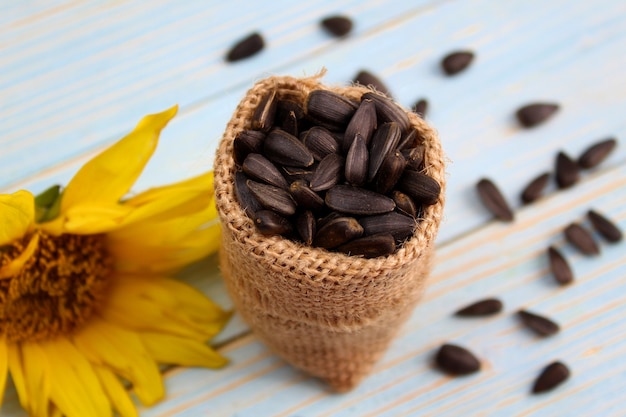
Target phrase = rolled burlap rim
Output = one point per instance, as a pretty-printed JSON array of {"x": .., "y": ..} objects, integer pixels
[{"x": 326, "y": 313}]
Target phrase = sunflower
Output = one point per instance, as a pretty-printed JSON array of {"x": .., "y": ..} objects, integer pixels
[{"x": 88, "y": 307}]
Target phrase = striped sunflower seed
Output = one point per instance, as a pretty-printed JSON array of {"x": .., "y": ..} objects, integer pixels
[
  {"x": 420, "y": 187},
  {"x": 363, "y": 122},
  {"x": 264, "y": 114},
  {"x": 560, "y": 268},
  {"x": 414, "y": 157},
  {"x": 370, "y": 246},
  {"x": 398, "y": 225},
  {"x": 337, "y": 232},
  {"x": 282, "y": 148},
  {"x": 328, "y": 173},
  {"x": 384, "y": 141},
  {"x": 404, "y": 203},
  {"x": 604, "y": 226},
  {"x": 390, "y": 172},
  {"x": 259, "y": 167},
  {"x": 357, "y": 162},
  {"x": 534, "y": 190},
  {"x": 493, "y": 199},
  {"x": 582, "y": 239},
  {"x": 272, "y": 198},
  {"x": 388, "y": 111},
  {"x": 246, "y": 142},
  {"x": 320, "y": 142},
  {"x": 270, "y": 223},
  {"x": 305, "y": 197},
  {"x": 330, "y": 107},
  {"x": 408, "y": 140},
  {"x": 247, "y": 201},
  {"x": 596, "y": 153},
  {"x": 358, "y": 201},
  {"x": 306, "y": 226}
]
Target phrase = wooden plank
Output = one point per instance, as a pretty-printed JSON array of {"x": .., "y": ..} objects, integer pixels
[{"x": 504, "y": 260}]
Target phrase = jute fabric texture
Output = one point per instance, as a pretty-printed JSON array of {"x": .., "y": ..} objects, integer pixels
[{"x": 328, "y": 314}]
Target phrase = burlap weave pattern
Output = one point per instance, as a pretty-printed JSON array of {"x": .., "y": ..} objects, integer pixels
[{"x": 327, "y": 313}]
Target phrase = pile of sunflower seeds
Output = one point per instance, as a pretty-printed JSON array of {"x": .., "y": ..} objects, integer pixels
[{"x": 343, "y": 175}]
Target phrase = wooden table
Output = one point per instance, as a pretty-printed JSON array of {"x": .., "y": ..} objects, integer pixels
[{"x": 76, "y": 76}]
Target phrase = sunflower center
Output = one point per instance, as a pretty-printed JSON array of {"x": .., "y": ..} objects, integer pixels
[{"x": 58, "y": 288}]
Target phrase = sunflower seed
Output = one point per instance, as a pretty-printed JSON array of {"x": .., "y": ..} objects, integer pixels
[
  {"x": 290, "y": 124},
  {"x": 363, "y": 122},
  {"x": 269, "y": 223},
  {"x": 247, "y": 201},
  {"x": 282, "y": 148},
  {"x": 264, "y": 114},
  {"x": 493, "y": 199},
  {"x": 384, "y": 141},
  {"x": 390, "y": 172},
  {"x": 456, "y": 360},
  {"x": 326, "y": 219},
  {"x": 272, "y": 198},
  {"x": 398, "y": 225},
  {"x": 414, "y": 157},
  {"x": 536, "y": 113},
  {"x": 337, "y": 232},
  {"x": 404, "y": 203},
  {"x": 456, "y": 62},
  {"x": 543, "y": 326},
  {"x": 420, "y": 187},
  {"x": 604, "y": 226},
  {"x": 596, "y": 153},
  {"x": 582, "y": 239},
  {"x": 567, "y": 171},
  {"x": 559, "y": 266},
  {"x": 295, "y": 173},
  {"x": 337, "y": 25},
  {"x": 247, "y": 141},
  {"x": 551, "y": 376},
  {"x": 320, "y": 142},
  {"x": 370, "y": 246},
  {"x": 486, "y": 307},
  {"x": 367, "y": 79},
  {"x": 246, "y": 47},
  {"x": 358, "y": 201},
  {"x": 357, "y": 162},
  {"x": 330, "y": 107},
  {"x": 388, "y": 111},
  {"x": 305, "y": 197},
  {"x": 420, "y": 107},
  {"x": 534, "y": 190},
  {"x": 408, "y": 140},
  {"x": 328, "y": 173},
  {"x": 259, "y": 167},
  {"x": 285, "y": 106},
  {"x": 305, "y": 225}
]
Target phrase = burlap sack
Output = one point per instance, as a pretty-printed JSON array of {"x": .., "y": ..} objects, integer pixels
[{"x": 329, "y": 314}]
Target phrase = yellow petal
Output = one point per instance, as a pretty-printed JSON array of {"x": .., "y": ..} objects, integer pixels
[
  {"x": 116, "y": 392},
  {"x": 16, "y": 369},
  {"x": 4, "y": 366},
  {"x": 202, "y": 182},
  {"x": 157, "y": 304},
  {"x": 175, "y": 350},
  {"x": 75, "y": 388},
  {"x": 16, "y": 265},
  {"x": 121, "y": 350},
  {"x": 108, "y": 177},
  {"x": 36, "y": 378},
  {"x": 17, "y": 214}
]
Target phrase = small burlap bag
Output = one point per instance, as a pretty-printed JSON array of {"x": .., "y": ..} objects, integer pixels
[{"x": 326, "y": 313}]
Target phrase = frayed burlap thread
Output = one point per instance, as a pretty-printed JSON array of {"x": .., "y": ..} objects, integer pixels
[{"x": 326, "y": 313}]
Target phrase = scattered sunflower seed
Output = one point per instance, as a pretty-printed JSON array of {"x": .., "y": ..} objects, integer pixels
[
  {"x": 550, "y": 377},
  {"x": 536, "y": 113},
  {"x": 534, "y": 190},
  {"x": 567, "y": 171},
  {"x": 559, "y": 266},
  {"x": 337, "y": 25},
  {"x": 543, "y": 326},
  {"x": 456, "y": 360},
  {"x": 486, "y": 307},
  {"x": 456, "y": 62},
  {"x": 582, "y": 239},
  {"x": 246, "y": 47},
  {"x": 604, "y": 226},
  {"x": 596, "y": 153},
  {"x": 420, "y": 107},
  {"x": 493, "y": 199},
  {"x": 367, "y": 79}
]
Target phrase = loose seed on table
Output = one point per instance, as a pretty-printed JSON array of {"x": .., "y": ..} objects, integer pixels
[
  {"x": 604, "y": 226},
  {"x": 367, "y": 79},
  {"x": 493, "y": 199},
  {"x": 337, "y": 25},
  {"x": 534, "y": 190},
  {"x": 596, "y": 153},
  {"x": 551, "y": 376},
  {"x": 420, "y": 107},
  {"x": 559, "y": 266},
  {"x": 582, "y": 239},
  {"x": 246, "y": 47},
  {"x": 456, "y": 62},
  {"x": 486, "y": 307},
  {"x": 536, "y": 113},
  {"x": 567, "y": 171},
  {"x": 543, "y": 326},
  {"x": 456, "y": 360}
]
